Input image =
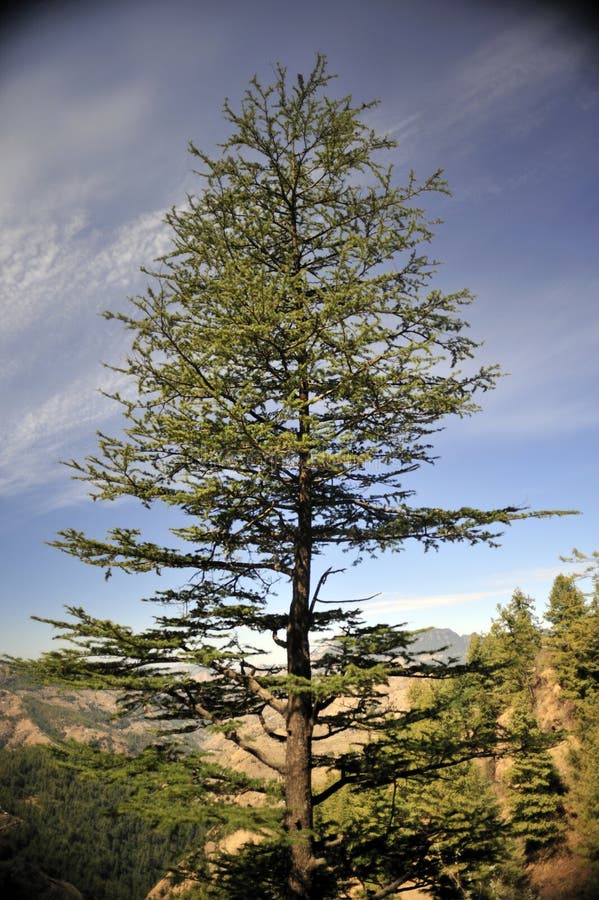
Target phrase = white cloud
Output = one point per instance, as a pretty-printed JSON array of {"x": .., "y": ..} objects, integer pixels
[
  {"x": 135, "y": 243},
  {"x": 36, "y": 439},
  {"x": 63, "y": 150},
  {"x": 57, "y": 275},
  {"x": 515, "y": 64},
  {"x": 505, "y": 86},
  {"x": 405, "y": 128},
  {"x": 396, "y": 602},
  {"x": 497, "y": 587},
  {"x": 51, "y": 133},
  {"x": 54, "y": 267},
  {"x": 39, "y": 261}
]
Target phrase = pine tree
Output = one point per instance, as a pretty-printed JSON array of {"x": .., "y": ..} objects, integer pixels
[
  {"x": 574, "y": 637},
  {"x": 512, "y": 645},
  {"x": 535, "y": 789},
  {"x": 290, "y": 361},
  {"x": 443, "y": 834},
  {"x": 584, "y": 760},
  {"x": 574, "y": 644},
  {"x": 566, "y": 604}
]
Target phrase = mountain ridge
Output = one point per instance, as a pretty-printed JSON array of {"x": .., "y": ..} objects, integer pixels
[{"x": 41, "y": 714}]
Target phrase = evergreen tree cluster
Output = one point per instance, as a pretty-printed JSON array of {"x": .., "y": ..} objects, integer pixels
[
  {"x": 75, "y": 829},
  {"x": 441, "y": 826},
  {"x": 574, "y": 647},
  {"x": 422, "y": 804}
]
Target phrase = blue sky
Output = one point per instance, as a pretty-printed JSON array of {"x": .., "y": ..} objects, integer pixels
[{"x": 97, "y": 105}]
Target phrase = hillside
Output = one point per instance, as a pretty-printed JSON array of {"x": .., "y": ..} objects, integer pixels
[
  {"x": 33, "y": 714},
  {"x": 22, "y": 881},
  {"x": 41, "y": 715}
]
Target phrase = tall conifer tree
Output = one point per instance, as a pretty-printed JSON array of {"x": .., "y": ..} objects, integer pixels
[
  {"x": 291, "y": 361},
  {"x": 570, "y": 618},
  {"x": 566, "y": 604}
]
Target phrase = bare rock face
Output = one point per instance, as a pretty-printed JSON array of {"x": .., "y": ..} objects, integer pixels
[
  {"x": 170, "y": 887},
  {"x": 16, "y": 728}
]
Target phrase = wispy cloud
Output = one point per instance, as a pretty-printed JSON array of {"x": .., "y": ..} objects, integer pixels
[
  {"x": 521, "y": 63},
  {"x": 51, "y": 266},
  {"x": 396, "y": 602},
  {"x": 497, "y": 587},
  {"x": 57, "y": 275},
  {"x": 505, "y": 87},
  {"x": 40, "y": 262},
  {"x": 62, "y": 261},
  {"x": 405, "y": 128},
  {"x": 72, "y": 134},
  {"x": 36, "y": 439}
]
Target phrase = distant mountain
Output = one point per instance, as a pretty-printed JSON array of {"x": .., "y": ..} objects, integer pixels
[
  {"x": 442, "y": 644},
  {"x": 35, "y": 714}
]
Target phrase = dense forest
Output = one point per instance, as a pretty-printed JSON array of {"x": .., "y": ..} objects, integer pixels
[
  {"x": 521, "y": 822},
  {"x": 74, "y": 829}
]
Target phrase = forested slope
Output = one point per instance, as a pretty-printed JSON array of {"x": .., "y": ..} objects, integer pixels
[{"x": 520, "y": 823}]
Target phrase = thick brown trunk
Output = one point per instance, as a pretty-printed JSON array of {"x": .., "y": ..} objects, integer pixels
[
  {"x": 298, "y": 798},
  {"x": 298, "y": 774}
]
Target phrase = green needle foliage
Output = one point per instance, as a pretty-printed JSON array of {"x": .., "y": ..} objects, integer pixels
[
  {"x": 444, "y": 835},
  {"x": 574, "y": 623},
  {"x": 512, "y": 646},
  {"x": 75, "y": 828},
  {"x": 289, "y": 362},
  {"x": 535, "y": 790},
  {"x": 574, "y": 650}
]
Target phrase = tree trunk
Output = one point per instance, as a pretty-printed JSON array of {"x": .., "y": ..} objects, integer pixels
[
  {"x": 298, "y": 769},
  {"x": 298, "y": 798}
]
